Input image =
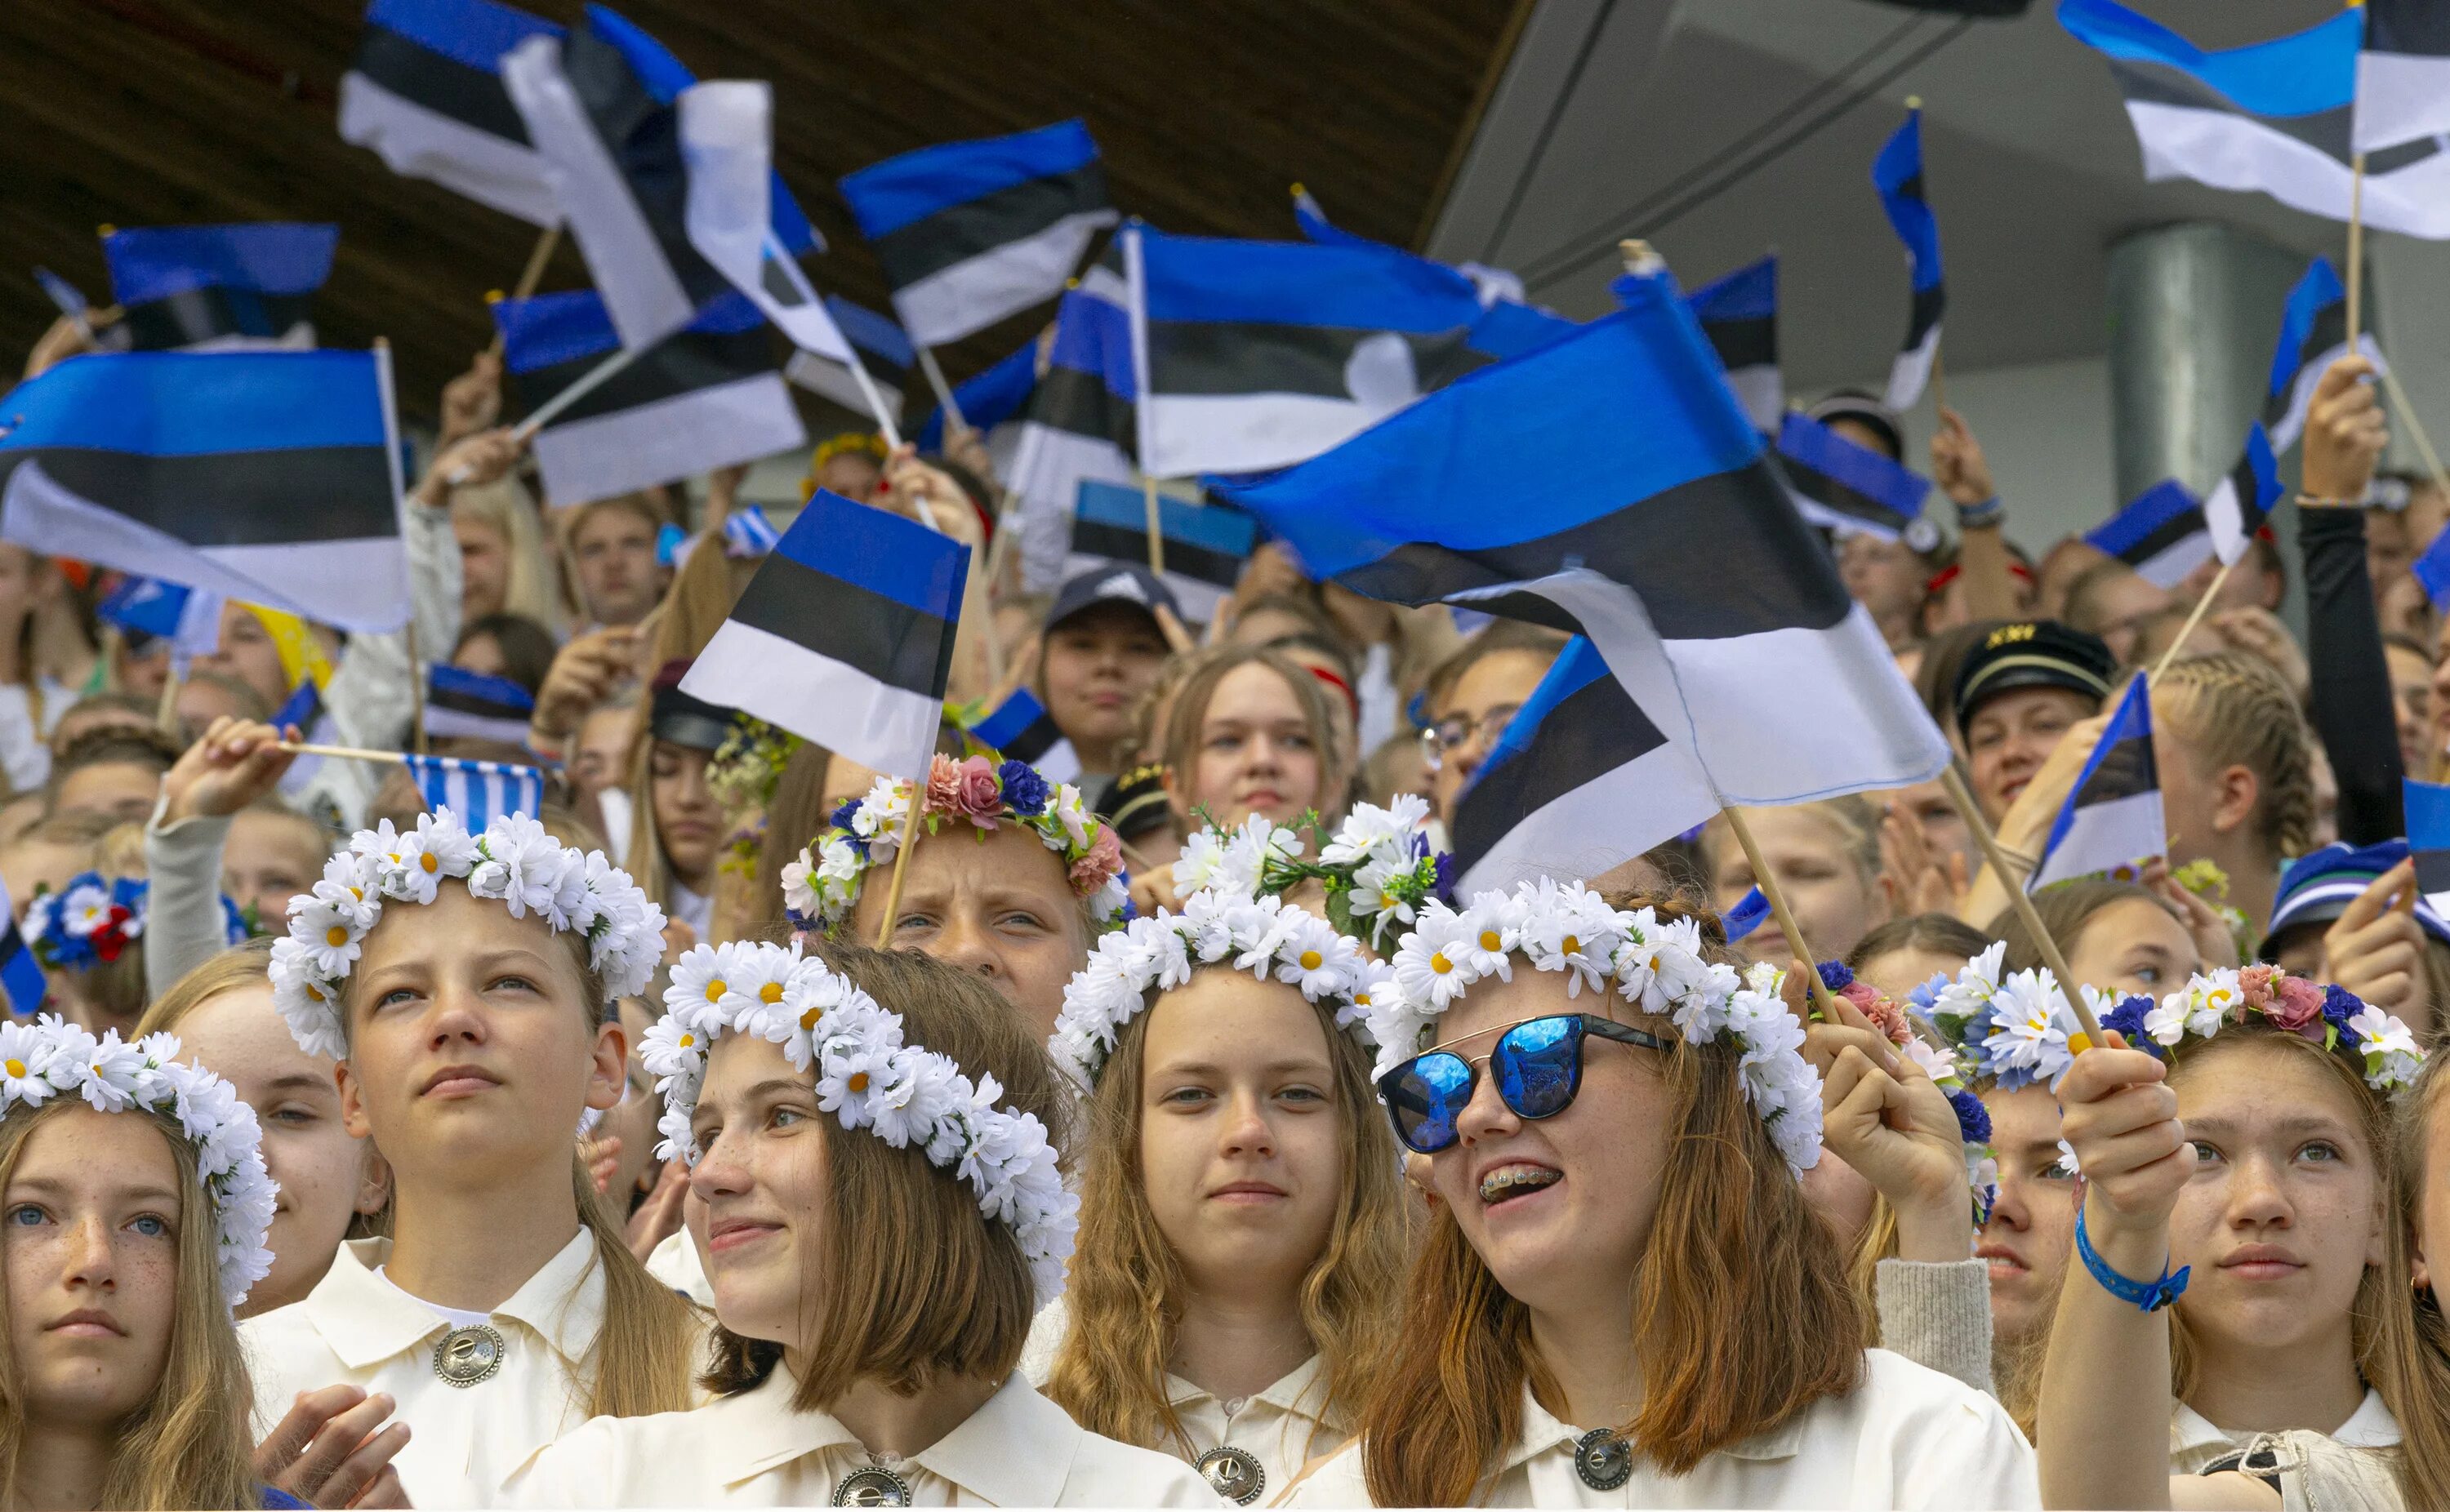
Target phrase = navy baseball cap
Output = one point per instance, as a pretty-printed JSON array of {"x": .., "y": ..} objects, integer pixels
[{"x": 1113, "y": 583}]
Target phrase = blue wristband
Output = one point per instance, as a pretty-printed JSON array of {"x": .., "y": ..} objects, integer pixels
[
  {"x": 1982, "y": 515},
  {"x": 2148, "y": 1296}
]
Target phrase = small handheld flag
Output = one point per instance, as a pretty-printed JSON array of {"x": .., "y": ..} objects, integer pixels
[
  {"x": 478, "y": 792},
  {"x": 2428, "y": 837},
  {"x": 426, "y": 93},
  {"x": 1852, "y": 489},
  {"x": 1746, "y": 917},
  {"x": 988, "y": 400},
  {"x": 1079, "y": 425},
  {"x": 747, "y": 533},
  {"x": 2432, "y": 569},
  {"x": 303, "y": 710},
  {"x": 2313, "y": 335},
  {"x": 21, "y": 975},
  {"x": 1738, "y": 314},
  {"x": 2162, "y": 534},
  {"x": 219, "y": 287},
  {"x": 2111, "y": 823},
  {"x": 472, "y": 705},
  {"x": 191, "y": 622},
  {"x": 1206, "y": 545},
  {"x": 2402, "y": 74},
  {"x": 1021, "y": 729},
  {"x": 845, "y": 636},
  {"x": 727, "y": 138},
  {"x": 2242, "y": 501},
  {"x": 1897, "y": 174}
]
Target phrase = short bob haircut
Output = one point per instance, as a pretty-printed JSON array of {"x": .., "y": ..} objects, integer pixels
[{"x": 915, "y": 1285}]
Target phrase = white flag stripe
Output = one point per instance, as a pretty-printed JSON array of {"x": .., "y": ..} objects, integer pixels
[
  {"x": 1185, "y": 435},
  {"x": 834, "y": 381},
  {"x": 817, "y": 698},
  {"x": 2234, "y": 151},
  {"x": 2286, "y": 430},
  {"x": 2168, "y": 567},
  {"x": 2229, "y": 536},
  {"x": 2120, "y": 834},
  {"x": 422, "y": 144},
  {"x": 1910, "y": 371},
  {"x": 667, "y": 439},
  {"x": 976, "y": 292},
  {"x": 1048, "y": 467},
  {"x": 2399, "y": 97},
  {"x": 726, "y": 138}
]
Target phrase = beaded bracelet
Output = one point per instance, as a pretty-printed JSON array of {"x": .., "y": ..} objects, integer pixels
[{"x": 2146, "y": 1296}]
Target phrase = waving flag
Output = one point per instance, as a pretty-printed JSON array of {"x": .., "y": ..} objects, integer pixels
[
  {"x": 969, "y": 232},
  {"x": 21, "y": 975},
  {"x": 2402, "y": 74},
  {"x": 1080, "y": 426},
  {"x": 1495, "y": 284},
  {"x": 2110, "y": 824},
  {"x": 1669, "y": 542},
  {"x": 2428, "y": 839},
  {"x": 203, "y": 288},
  {"x": 2162, "y": 534},
  {"x": 1738, "y": 314},
  {"x": 426, "y": 93},
  {"x": 726, "y": 138},
  {"x": 1022, "y": 729},
  {"x": 463, "y": 704},
  {"x": 2274, "y": 116},
  {"x": 1851, "y": 488},
  {"x": 703, "y": 398},
  {"x": 1897, "y": 174},
  {"x": 477, "y": 792},
  {"x": 191, "y": 622},
  {"x": 845, "y": 636},
  {"x": 2242, "y": 501},
  {"x": 2313, "y": 335},
  {"x": 1746, "y": 915},
  {"x": 989, "y": 401},
  {"x": 884, "y": 351},
  {"x": 1206, "y": 545},
  {"x": 269, "y": 476}
]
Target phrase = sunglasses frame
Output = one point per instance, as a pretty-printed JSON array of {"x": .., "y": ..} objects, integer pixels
[{"x": 1590, "y": 1024}]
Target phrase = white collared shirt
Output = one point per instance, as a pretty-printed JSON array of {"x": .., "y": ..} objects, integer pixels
[
  {"x": 357, "y": 1328},
  {"x": 1907, "y": 1438},
  {"x": 676, "y": 1263},
  {"x": 753, "y": 1449},
  {"x": 2195, "y": 1441}
]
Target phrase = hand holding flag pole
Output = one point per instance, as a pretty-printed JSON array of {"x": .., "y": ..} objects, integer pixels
[{"x": 2022, "y": 902}]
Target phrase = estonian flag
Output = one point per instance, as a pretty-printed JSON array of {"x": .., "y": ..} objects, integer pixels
[
  {"x": 884, "y": 349},
  {"x": 2428, "y": 839},
  {"x": 205, "y": 288},
  {"x": 1851, "y": 488},
  {"x": 1206, "y": 545},
  {"x": 2241, "y": 502},
  {"x": 1658, "y": 528},
  {"x": 459, "y": 703},
  {"x": 477, "y": 792},
  {"x": 1256, "y": 355},
  {"x": 988, "y": 401},
  {"x": 969, "y": 232},
  {"x": 1081, "y": 424},
  {"x": 727, "y": 138},
  {"x": 2162, "y": 534},
  {"x": 2402, "y": 74},
  {"x": 2313, "y": 335},
  {"x": 267, "y": 476},
  {"x": 845, "y": 636},
  {"x": 1739, "y": 312},
  {"x": 191, "y": 622},
  {"x": 1495, "y": 284},
  {"x": 2432, "y": 569},
  {"x": 21, "y": 974},
  {"x": 1897, "y": 174},
  {"x": 2111, "y": 825},
  {"x": 2274, "y": 116},
  {"x": 1022, "y": 729},
  {"x": 426, "y": 93},
  {"x": 703, "y": 398}
]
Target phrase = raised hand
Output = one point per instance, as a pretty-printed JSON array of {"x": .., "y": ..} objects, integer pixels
[{"x": 236, "y": 763}]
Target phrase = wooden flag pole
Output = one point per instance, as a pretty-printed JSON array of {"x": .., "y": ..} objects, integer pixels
[
  {"x": 1822, "y": 999},
  {"x": 532, "y": 274},
  {"x": 2356, "y": 242},
  {"x": 918, "y": 800},
  {"x": 1155, "y": 525},
  {"x": 300, "y": 748},
  {"x": 2019, "y": 900},
  {"x": 423, "y": 678},
  {"x": 166, "y": 717},
  {"x": 2193, "y": 619},
  {"x": 943, "y": 390}
]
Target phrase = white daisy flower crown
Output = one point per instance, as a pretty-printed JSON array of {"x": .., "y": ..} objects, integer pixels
[
  {"x": 513, "y": 860},
  {"x": 1656, "y": 965},
  {"x": 867, "y": 1078},
  {"x": 48, "y": 1058},
  {"x": 1376, "y": 868}
]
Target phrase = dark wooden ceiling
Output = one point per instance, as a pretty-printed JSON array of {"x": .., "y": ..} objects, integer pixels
[{"x": 149, "y": 112}]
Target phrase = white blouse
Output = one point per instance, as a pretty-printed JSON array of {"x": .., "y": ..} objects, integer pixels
[
  {"x": 2195, "y": 1441},
  {"x": 357, "y": 1328},
  {"x": 753, "y": 1449},
  {"x": 676, "y": 1263},
  {"x": 1906, "y": 1438}
]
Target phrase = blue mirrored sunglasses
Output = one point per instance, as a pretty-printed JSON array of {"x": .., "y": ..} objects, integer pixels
[{"x": 1537, "y": 1064}]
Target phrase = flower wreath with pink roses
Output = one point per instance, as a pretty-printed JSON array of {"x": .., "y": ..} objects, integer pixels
[{"x": 822, "y": 886}]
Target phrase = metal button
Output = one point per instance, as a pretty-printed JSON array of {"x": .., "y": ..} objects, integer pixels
[{"x": 467, "y": 1356}]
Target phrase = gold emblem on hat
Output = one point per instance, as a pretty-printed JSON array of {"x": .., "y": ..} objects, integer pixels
[{"x": 467, "y": 1356}]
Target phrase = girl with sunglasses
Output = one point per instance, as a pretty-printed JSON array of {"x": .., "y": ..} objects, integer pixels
[
  {"x": 1243, "y": 1221},
  {"x": 1623, "y": 1299}
]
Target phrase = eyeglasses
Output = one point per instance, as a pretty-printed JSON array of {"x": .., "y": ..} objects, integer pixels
[
  {"x": 1457, "y": 730},
  {"x": 1537, "y": 1064}
]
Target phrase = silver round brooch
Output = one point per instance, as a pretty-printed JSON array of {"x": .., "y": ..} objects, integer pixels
[
  {"x": 1233, "y": 1474},
  {"x": 1602, "y": 1459},
  {"x": 872, "y": 1486},
  {"x": 470, "y": 1355}
]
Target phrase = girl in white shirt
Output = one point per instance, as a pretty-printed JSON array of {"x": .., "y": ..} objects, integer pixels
[
  {"x": 885, "y": 1213},
  {"x": 465, "y": 983},
  {"x": 1244, "y": 1229},
  {"x": 1623, "y": 1299}
]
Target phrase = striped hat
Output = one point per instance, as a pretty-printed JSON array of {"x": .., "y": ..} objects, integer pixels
[{"x": 2317, "y": 888}]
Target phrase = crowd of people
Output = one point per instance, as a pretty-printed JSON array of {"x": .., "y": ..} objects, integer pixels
[{"x": 1159, "y": 1130}]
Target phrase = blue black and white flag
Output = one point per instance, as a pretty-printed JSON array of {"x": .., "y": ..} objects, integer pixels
[
  {"x": 1080, "y": 424},
  {"x": 884, "y": 349},
  {"x": 2402, "y": 74},
  {"x": 464, "y": 705},
  {"x": 1021, "y": 729},
  {"x": 21, "y": 975},
  {"x": 991, "y": 401},
  {"x": 267, "y": 476},
  {"x": 1672, "y": 544},
  {"x": 969, "y": 232},
  {"x": 705, "y": 397},
  {"x": 1496, "y": 285},
  {"x": 1853, "y": 489},
  {"x": 726, "y": 141},
  {"x": 2275, "y": 116},
  {"x": 2428, "y": 837},
  {"x": 426, "y": 94},
  {"x": 1739, "y": 312},
  {"x": 1897, "y": 174},
  {"x": 1258, "y": 355},
  {"x": 304, "y": 711},
  {"x": 2162, "y": 534},
  {"x": 1206, "y": 545},
  {"x": 146, "y": 607},
  {"x": 845, "y": 636},
  {"x": 208, "y": 288},
  {"x": 2239, "y": 504},
  {"x": 2313, "y": 335},
  {"x": 477, "y": 792},
  {"x": 2110, "y": 824}
]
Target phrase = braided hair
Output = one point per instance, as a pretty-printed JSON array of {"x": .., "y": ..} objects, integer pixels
[{"x": 2233, "y": 709}]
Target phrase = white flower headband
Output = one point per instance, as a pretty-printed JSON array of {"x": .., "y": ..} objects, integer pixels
[
  {"x": 1264, "y": 936},
  {"x": 868, "y": 1078},
  {"x": 1657, "y": 966},
  {"x": 514, "y": 861},
  {"x": 1376, "y": 868},
  {"x": 49, "y": 1056}
]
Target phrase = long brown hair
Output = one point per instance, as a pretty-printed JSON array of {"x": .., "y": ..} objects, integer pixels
[
  {"x": 1126, "y": 1288},
  {"x": 2409, "y": 1361},
  {"x": 188, "y": 1445},
  {"x": 1743, "y": 1314},
  {"x": 1337, "y": 767}
]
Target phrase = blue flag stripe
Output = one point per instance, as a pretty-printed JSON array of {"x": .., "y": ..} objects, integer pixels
[
  {"x": 2428, "y": 833},
  {"x": 2305, "y": 73},
  {"x": 1218, "y": 526},
  {"x": 154, "y": 262},
  {"x": 475, "y": 32},
  {"x": 1897, "y": 173},
  {"x": 1746, "y": 915},
  {"x": 198, "y": 404},
  {"x": 1009, "y": 719},
  {"x": 885, "y": 197},
  {"x": 1857, "y": 468},
  {"x": 458, "y": 688},
  {"x": 1220, "y": 280},
  {"x": 2134, "y": 532},
  {"x": 897, "y": 559},
  {"x": 2299, "y": 320}
]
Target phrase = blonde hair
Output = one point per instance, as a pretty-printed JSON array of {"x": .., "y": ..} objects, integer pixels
[
  {"x": 2409, "y": 1359},
  {"x": 909, "y": 1282},
  {"x": 188, "y": 1444},
  {"x": 1201, "y": 678},
  {"x": 1126, "y": 1288},
  {"x": 2232, "y": 709},
  {"x": 529, "y": 582}
]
